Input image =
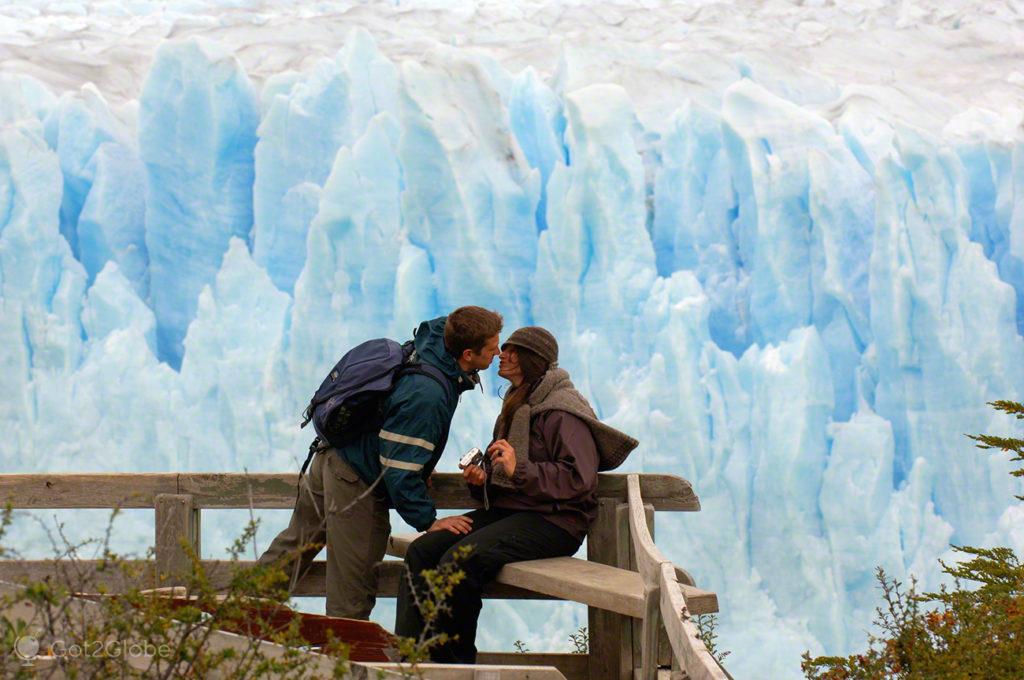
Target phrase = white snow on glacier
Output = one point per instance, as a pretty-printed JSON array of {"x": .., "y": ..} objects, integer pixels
[{"x": 782, "y": 243}]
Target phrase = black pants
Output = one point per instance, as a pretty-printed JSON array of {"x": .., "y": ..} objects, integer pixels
[{"x": 498, "y": 537}]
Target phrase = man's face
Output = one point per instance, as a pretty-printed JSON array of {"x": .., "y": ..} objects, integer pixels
[{"x": 482, "y": 359}]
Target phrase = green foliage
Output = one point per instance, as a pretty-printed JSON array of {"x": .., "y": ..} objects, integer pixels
[
  {"x": 580, "y": 641},
  {"x": 432, "y": 601},
  {"x": 6, "y": 517},
  {"x": 149, "y": 630},
  {"x": 973, "y": 630},
  {"x": 1005, "y": 444},
  {"x": 707, "y": 625}
]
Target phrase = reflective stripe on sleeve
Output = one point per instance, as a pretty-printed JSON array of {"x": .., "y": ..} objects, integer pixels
[
  {"x": 400, "y": 464},
  {"x": 402, "y": 439}
]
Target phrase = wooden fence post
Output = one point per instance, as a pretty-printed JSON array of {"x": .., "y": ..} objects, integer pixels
[
  {"x": 176, "y": 519},
  {"x": 664, "y": 650},
  {"x": 676, "y": 672},
  {"x": 611, "y": 635}
]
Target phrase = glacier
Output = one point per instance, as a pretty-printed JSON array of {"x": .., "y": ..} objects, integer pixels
[{"x": 797, "y": 297}]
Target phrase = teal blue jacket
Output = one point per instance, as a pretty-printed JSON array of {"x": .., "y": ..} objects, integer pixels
[{"x": 417, "y": 417}]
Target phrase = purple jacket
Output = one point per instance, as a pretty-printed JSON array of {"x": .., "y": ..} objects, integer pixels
[{"x": 558, "y": 477}]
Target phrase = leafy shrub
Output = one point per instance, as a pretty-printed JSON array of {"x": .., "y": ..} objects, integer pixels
[
  {"x": 72, "y": 625},
  {"x": 973, "y": 630}
]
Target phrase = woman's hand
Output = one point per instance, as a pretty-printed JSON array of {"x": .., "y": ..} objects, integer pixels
[
  {"x": 474, "y": 474},
  {"x": 504, "y": 455}
]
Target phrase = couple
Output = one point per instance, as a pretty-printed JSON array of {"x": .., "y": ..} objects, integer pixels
[{"x": 541, "y": 485}]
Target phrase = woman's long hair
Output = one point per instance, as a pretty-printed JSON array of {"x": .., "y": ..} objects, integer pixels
[{"x": 534, "y": 368}]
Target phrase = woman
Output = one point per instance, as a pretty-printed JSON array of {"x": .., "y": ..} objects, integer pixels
[{"x": 540, "y": 490}]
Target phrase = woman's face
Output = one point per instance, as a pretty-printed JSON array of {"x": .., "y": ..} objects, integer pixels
[{"x": 508, "y": 366}]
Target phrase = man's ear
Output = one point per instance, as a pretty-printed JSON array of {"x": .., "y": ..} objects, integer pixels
[{"x": 467, "y": 354}]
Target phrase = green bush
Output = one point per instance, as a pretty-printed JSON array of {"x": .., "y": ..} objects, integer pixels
[
  {"x": 83, "y": 630},
  {"x": 973, "y": 630}
]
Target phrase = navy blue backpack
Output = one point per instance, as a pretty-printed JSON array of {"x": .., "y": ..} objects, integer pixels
[{"x": 350, "y": 400}]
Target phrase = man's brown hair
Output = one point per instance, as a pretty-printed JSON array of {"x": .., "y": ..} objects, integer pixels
[{"x": 469, "y": 328}]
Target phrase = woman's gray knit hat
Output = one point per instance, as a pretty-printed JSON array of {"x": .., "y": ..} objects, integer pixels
[{"x": 537, "y": 340}]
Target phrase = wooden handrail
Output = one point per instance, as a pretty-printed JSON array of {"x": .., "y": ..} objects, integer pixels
[
  {"x": 664, "y": 601},
  {"x": 683, "y": 635},
  {"x": 267, "y": 490},
  {"x": 648, "y": 558}
]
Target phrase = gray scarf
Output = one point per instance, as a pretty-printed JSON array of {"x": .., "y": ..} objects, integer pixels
[{"x": 555, "y": 392}]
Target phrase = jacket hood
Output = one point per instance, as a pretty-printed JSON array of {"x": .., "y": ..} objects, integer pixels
[
  {"x": 555, "y": 392},
  {"x": 429, "y": 343}
]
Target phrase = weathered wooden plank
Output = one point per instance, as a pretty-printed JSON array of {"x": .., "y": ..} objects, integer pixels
[
  {"x": 664, "y": 650},
  {"x": 684, "y": 577},
  {"x": 241, "y": 490},
  {"x": 694, "y": 657},
  {"x": 434, "y": 671},
  {"x": 651, "y": 626},
  {"x": 268, "y": 490},
  {"x": 99, "y": 490},
  {"x": 177, "y": 522},
  {"x": 610, "y": 632},
  {"x": 625, "y": 511},
  {"x": 593, "y": 584},
  {"x": 566, "y": 578},
  {"x": 648, "y": 558},
  {"x": 661, "y": 674},
  {"x": 570, "y": 578},
  {"x": 697, "y": 600},
  {"x": 313, "y": 583},
  {"x": 390, "y": 571},
  {"x": 676, "y": 671},
  {"x": 572, "y": 666},
  {"x": 664, "y": 492},
  {"x": 82, "y": 575}
]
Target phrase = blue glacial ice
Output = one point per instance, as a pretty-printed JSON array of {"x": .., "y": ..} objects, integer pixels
[
  {"x": 197, "y": 134},
  {"x": 302, "y": 128},
  {"x": 800, "y": 307}
]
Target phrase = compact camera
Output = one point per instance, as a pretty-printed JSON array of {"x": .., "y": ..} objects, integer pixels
[{"x": 472, "y": 457}]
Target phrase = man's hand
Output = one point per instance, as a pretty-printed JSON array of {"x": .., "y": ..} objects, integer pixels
[
  {"x": 459, "y": 524},
  {"x": 504, "y": 455}
]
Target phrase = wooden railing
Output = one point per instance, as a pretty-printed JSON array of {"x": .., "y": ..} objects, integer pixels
[
  {"x": 664, "y": 604},
  {"x": 620, "y": 537}
]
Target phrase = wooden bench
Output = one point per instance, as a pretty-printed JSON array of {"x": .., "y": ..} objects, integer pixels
[{"x": 590, "y": 583}]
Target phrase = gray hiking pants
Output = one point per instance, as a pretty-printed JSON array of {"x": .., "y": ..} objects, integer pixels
[{"x": 355, "y": 532}]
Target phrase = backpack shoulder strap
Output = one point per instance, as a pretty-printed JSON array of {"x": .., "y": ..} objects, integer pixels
[{"x": 430, "y": 371}]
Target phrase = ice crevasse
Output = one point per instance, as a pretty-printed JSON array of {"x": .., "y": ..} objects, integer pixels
[{"x": 800, "y": 313}]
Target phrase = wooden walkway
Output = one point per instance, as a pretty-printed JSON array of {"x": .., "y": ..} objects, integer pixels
[{"x": 639, "y": 603}]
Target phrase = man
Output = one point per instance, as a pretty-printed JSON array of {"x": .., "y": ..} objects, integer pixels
[{"x": 345, "y": 498}]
